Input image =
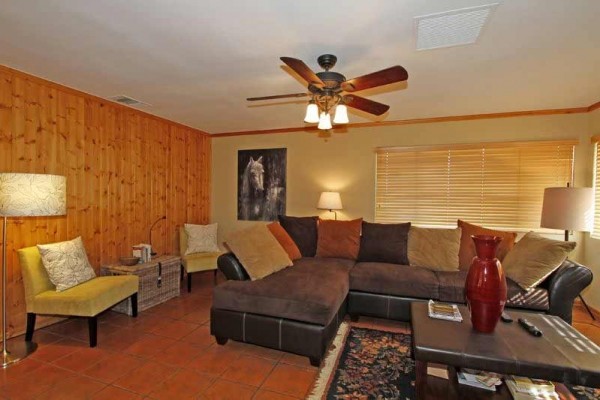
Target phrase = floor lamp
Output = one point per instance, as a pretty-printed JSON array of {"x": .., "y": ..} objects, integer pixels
[
  {"x": 569, "y": 209},
  {"x": 26, "y": 195}
]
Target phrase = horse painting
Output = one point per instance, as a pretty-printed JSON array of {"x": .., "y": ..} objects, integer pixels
[{"x": 261, "y": 185}]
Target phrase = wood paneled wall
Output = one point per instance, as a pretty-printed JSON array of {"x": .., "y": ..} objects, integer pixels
[{"x": 124, "y": 169}]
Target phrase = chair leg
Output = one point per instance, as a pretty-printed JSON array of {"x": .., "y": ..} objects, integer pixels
[
  {"x": 134, "y": 305},
  {"x": 189, "y": 281},
  {"x": 30, "y": 327},
  {"x": 93, "y": 328},
  {"x": 215, "y": 279},
  {"x": 181, "y": 272}
]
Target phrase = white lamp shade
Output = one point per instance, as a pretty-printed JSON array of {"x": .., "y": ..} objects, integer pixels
[
  {"x": 568, "y": 208},
  {"x": 325, "y": 121},
  {"x": 32, "y": 195},
  {"x": 330, "y": 201},
  {"x": 312, "y": 113},
  {"x": 341, "y": 114}
]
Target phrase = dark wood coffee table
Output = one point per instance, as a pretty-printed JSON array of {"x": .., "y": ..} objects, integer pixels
[{"x": 562, "y": 354}]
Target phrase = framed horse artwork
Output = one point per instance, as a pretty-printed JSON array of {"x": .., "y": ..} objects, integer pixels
[{"x": 261, "y": 184}]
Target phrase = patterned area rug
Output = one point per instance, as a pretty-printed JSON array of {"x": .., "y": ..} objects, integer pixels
[{"x": 366, "y": 363}]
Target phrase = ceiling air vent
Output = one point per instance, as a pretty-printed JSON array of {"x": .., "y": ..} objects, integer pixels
[
  {"x": 452, "y": 28},
  {"x": 127, "y": 100}
]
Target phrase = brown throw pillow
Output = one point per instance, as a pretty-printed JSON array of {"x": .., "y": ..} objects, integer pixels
[
  {"x": 386, "y": 243},
  {"x": 303, "y": 231},
  {"x": 339, "y": 239},
  {"x": 285, "y": 240},
  {"x": 467, "y": 246},
  {"x": 534, "y": 258},
  {"x": 434, "y": 248},
  {"x": 258, "y": 251}
]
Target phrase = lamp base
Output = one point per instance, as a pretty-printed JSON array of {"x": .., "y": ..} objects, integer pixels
[{"x": 16, "y": 352}]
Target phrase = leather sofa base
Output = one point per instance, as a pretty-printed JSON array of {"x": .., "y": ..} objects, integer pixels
[
  {"x": 379, "y": 305},
  {"x": 297, "y": 337}
]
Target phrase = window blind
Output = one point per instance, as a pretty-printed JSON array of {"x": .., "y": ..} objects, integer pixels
[
  {"x": 498, "y": 185},
  {"x": 596, "y": 230}
]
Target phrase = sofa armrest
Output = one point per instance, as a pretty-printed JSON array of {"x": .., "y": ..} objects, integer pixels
[
  {"x": 231, "y": 267},
  {"x": 564, "y": 285}
]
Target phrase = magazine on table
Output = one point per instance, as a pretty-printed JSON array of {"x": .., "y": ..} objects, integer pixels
[
  {"x": 479, "y": 379},
  {"x": 448, "y": 312},
  {"x": 522, "y": 388}
]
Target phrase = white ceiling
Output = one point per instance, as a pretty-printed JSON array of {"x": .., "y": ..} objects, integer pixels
[{"x": 196, "y": 61}]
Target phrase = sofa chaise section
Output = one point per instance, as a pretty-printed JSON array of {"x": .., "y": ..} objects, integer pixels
[{"x": 297, "y": 309}]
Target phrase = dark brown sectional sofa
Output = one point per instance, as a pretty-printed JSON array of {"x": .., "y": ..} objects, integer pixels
[{"x": 299, "y": 308}]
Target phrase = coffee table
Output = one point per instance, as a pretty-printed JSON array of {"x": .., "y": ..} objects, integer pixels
[{"x": 562, "y": 354}]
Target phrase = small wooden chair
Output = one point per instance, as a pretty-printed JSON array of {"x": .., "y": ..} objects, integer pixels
[
  {"x": 87, "y": 299},
  {"x": 195, "y": 262}
]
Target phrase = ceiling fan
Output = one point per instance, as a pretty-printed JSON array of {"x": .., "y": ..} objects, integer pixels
[{"x": 330, "y": 89}]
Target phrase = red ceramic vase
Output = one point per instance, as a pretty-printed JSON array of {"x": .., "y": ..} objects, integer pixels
[{"x": 485, "y": 288}]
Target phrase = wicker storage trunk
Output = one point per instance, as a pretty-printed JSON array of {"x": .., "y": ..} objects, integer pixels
[{"x": 159, "y": 281}]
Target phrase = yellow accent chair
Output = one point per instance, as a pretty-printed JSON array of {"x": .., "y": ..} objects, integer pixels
[
  {"x": 87, "y": 299},
  {"x": 195, "y": 262}
]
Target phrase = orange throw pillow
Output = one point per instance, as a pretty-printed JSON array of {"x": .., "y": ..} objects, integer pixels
[
  {"x": 285, "y": 240},
  {"x": 339, "y": 239},
  {"x": 467, "y": 246}
]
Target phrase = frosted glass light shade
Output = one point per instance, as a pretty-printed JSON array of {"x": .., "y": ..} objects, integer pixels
[
  {"x": 312, "y": 113},
  {"x": 330, "y": 201},
  {"x": 568, "y": 208},
  {"x": 324, "y": 121},
  {"x": 341, "y": 114},
  {"x": 32, "y": 195}
]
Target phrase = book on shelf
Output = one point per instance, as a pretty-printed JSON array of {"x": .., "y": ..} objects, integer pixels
[
  {"x": 479, "y": 379},
  {"x": 526, "y": 389},
  {"x": 449, "y": 312},
  {"x": 437, "y": 370}
]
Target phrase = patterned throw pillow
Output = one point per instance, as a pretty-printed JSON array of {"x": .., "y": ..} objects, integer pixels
[
  {"x": 67, "y": 263},
  {"x": 201, "y": 238}
]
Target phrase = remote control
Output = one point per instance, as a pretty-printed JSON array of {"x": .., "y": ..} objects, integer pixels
[
  {"x": 529, "y": 327},
  {"x": 505, "y": 317}
]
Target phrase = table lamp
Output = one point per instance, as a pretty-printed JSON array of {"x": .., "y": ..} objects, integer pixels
[
  {"x": 330, "y": 201},
  {"x": 26, "y": 195},
  {"x": 569, "y": 209}
]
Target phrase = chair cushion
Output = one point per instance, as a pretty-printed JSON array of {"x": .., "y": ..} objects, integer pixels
[
  {"x": 87, "y": 299},
  {"x": 312, "y": 290},
  {"x": 303, "y": 231},
  {"x": 385, "y": 243},
  {"x": 394, "y": 279},
  {"x": 452, "y": 289},
  {"x": 67, "y": 263},
  {"x": 201, "y": 238},
  {"x": 200, "y": 261}
]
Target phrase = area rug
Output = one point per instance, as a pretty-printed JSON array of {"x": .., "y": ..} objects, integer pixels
[{"x": 365, "y": 363}]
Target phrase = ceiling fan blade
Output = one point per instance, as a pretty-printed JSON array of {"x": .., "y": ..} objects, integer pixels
[
  {"x": 278, "y": 96},
  {"x": 303, "y": 70},
  {"x": 366, "y": 105},
  {"x": 379, "y": 78}
]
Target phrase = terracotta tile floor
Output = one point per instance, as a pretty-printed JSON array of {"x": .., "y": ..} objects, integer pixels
[{"x": 167, "y": 353}]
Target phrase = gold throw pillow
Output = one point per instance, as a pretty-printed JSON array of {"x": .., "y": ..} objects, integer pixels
[
  {"x": 434, "y": 248},
  {"x": 533, "y": 258},
  {"x": 258, "y": 251}
]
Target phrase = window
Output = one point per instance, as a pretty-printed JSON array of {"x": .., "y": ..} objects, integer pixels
[
  {"x": 596, "y": 230},
  {"x": 498, "y": 185}
]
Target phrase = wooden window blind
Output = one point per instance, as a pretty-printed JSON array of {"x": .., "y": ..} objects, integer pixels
[
  {"x": 498, "y": 185},
  {"x": 596, "y": 231}
]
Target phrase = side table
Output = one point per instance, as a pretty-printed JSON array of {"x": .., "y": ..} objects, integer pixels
[{"x": 159, "y": 281}]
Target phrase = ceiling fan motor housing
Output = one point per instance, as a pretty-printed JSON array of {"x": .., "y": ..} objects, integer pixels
[{"x": 327, "y": 61}]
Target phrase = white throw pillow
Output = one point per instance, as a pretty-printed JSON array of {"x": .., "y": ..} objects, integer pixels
[
  {"x": 201, "y": 238},
  {"x": 67, "y": 263}
]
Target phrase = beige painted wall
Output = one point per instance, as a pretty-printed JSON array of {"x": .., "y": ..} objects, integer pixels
[{"x": 346, "y": 162}]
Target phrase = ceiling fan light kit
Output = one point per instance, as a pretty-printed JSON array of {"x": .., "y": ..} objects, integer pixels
[{"x": 326, "y": 90}]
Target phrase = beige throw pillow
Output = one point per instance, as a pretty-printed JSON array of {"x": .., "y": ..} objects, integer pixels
[
  {"x": 201, "y": 238},
  {"x": 258, "y": 251},
  {"x": 434, "y": 248},
  {"x": 534, "y": 258},
  {"x": 67, "y": 263}
]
